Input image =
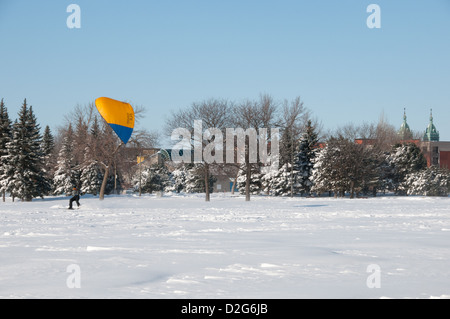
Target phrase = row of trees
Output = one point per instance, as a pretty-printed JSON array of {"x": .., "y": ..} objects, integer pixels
[
  {"x": 264, "y": 113},
  {"x": 91, "y": 157},
  {"x": 337, "y": 166},
  {"x": 187, "y": 178},
  {"x": 341, "y": 167},
  {"x": 344, "y": 166},
  {"x": 86, "y": 155}
]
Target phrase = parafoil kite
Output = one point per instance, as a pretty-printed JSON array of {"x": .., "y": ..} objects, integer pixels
[{"x": 119, "y": 115}]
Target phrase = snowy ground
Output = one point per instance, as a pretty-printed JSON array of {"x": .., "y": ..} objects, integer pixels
[{"x": 183, "y": 247}]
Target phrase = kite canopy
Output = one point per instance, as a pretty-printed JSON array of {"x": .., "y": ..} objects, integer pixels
[{"x": 119, "y": 115}]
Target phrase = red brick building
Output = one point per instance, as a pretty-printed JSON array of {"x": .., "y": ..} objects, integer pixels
[{"x": 436, "y": 152}]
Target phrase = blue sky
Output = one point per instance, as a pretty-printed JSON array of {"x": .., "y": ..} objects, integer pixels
[{"x": 164, "y": 55}]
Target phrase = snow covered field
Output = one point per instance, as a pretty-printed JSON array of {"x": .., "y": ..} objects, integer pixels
[{"x": 183, "y": 247}]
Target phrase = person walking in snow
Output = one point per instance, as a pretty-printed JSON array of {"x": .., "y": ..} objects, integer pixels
[{"x": 75, "y": 198}]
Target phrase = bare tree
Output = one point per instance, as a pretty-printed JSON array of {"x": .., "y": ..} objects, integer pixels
[
  {"x": 108, "y": 147},
  {"x": 382, "y": 135},
  {"x": 386, "y": 134},
  {"x": 294, "y": 118},
  {"x": 254, "y": 115},
  {"x": 143, "y": 138},
  {"x": 213, "y": 113},
  {"x": 96, "y": 141}
]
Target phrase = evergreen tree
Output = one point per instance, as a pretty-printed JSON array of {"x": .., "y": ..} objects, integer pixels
[
  {"x": 91, "y": 179},
  {"x": 178, "y": 179},
  {"x": 64, "y": 179},
  {"x": 304, "y": 161},
  {"x": 344, "y": 166},
  {"x": 48, "y": 161},
  {"x": 10, "y": 179},
  {"x": 321, "y": 181},
  {"x": 94, "y": 138},
  {"x": 113, "y": 184},
  {"x": 287, "y": 146},
  {"x": 278, "y": 183},
  {"x": 25, "y": 152},
  {"x": 92, "y": 175},
  {"x": 95, "y": 128},
  {"x": 48, "y": 142},
  {"x": 5, "y": 138},
  {"x": 38, "y": 182},
  {"x": 152, "y": 179},
  {"x": 330, "y": 173},
  {"x": 195, "y": 180},
  {"x": 405, "y": 159},
  {"x": 385, "y": 173},
  {"x": 372, "y": 170},
  {"x": 256, "y": 185},
  {"x": 432, "y": 181}
]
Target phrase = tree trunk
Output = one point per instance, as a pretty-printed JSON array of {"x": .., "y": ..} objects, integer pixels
[
  {"x": 105, "y": 179},
  {"x": 140, "y": 179},
  {"x": 292, "y": 164},
  {"x": 248, "y": 172},
  {"x": 115, "y": 179},
  {"x": 292, "y": 179},
  {"x": 352, "y": 189},
  {"x": 247, "y": 182},
  {"x": 207, "y": 198},
  {"x": 234, "y": 185}
]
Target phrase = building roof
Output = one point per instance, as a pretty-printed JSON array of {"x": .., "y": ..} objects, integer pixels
[
  {"x": 431, "y": 133},
  {"x": 405, "y": 132}
]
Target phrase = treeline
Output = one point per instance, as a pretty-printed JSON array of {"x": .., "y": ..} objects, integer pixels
[
  {"x": 83, "y": 153},
  {"x": 344, "y": 166},
  {"x": 311, "y": 162},
  {"x": 290, "y": 117}
]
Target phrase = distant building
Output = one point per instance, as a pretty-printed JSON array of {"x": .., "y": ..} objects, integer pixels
[
  {"x": 405, "y": 132},
  {"x": 436, "y": 152},
  {"x": 148, "y": 156},
  {"x": 431, "y": 134}
]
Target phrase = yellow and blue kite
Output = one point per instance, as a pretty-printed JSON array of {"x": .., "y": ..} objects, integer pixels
[{"x": 119, "y": 115}]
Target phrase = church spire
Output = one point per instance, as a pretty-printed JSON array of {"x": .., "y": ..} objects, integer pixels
[
  {"x": 405, "y": 131},
  {"x": 431, "y": 133}
]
